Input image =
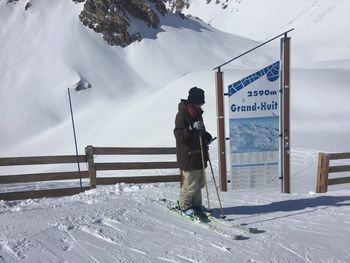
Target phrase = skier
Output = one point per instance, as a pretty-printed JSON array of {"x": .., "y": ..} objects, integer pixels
[{"x": 188, "y": 127}]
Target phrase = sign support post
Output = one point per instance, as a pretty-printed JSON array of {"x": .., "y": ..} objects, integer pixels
[
  {"x": 285, "y": 55},
  {"x": 221, "y": 129}
]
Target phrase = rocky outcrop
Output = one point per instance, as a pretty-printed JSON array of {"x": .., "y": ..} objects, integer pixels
[
  {"x": 82, "y": 84},
  {"x": 28, "y": 6},
  {"x": 112, "y": 18},
  {"x": 177, "y": 6}
]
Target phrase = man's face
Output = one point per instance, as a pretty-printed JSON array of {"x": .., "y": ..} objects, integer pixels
[{"x": 198, "y": 106}]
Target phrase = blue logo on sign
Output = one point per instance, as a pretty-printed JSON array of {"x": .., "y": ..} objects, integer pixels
[{"x": 271, "y": 72}]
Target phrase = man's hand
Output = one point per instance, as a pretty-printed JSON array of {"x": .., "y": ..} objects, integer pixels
[{"x": 199, "y": 126}]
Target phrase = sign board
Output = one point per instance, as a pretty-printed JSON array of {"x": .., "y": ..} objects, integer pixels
[{"x": 254, "y": 129}]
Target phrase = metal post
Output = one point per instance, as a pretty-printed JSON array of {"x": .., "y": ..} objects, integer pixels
[
  {"x": 216, "y": 188},
  {"x": 75, "y": 141},
  {"x": 221, "y": 129},
  {"x": 281, "y": 122},
  {"x": 285, "y": 47},
  {"x": 203, "y": 169}
]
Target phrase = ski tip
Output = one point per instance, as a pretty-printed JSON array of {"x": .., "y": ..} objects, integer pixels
[
  {"x": 254, "y": 230},
  {"x": 223, "y": 217},
  {"x": 240, "y": 237}
]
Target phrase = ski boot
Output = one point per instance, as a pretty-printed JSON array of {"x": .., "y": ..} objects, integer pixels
[{"x": 202, "y": 212}]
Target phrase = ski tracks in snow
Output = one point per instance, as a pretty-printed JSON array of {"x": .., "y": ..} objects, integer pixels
[
  {"x": 141, "y": 234},
  {"x": 144, "y": 230}
]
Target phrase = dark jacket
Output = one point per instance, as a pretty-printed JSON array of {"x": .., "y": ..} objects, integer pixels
[{"x": 187, "y": 140}]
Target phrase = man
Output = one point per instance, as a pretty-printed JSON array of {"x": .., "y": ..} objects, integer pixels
[{"x": 188, "y": 127}]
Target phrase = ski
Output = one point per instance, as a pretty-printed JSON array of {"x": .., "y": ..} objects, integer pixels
[
  {"x": 244, "y": 228},
  {"x": 204, "y": 221}
]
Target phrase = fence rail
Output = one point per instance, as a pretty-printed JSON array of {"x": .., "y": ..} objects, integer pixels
[
  {"x": 27, "y": 178},
  {"x": 11, "y": 161},
  {"x": 90, "y": 174},
  {"x": 324, "y": 169},
  {"x": 94, "y": 167},
  {"x": 136, "y": 166},
  {"x": 139, "y": 179},
  {"x": 133, "y": 150},
  {"x": 41, "y": 193},
  {"x": 337, "y": 156},
  {"x": 41, "y": 177}
]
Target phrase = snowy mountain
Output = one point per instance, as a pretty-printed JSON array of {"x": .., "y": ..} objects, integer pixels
[
  {"x": 34, "y": 98},
  {"x": 64, "y": 51},
  {"x": 127, "y": 95},
  {"x": 314, "y": 22}
]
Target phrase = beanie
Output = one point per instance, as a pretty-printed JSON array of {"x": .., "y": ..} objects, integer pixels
[{"x": 196, "y": 96}]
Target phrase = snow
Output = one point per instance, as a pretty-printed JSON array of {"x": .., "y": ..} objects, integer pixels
[
  {"x": 125, "y": 223},
  {"x": 133, "y": 101}
]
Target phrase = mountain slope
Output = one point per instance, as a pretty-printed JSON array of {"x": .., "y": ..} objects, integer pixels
[
  {"x": 149, "y": 77},
  {"x": 59, "y": 51},
  {"x": 319, "y": 25}
]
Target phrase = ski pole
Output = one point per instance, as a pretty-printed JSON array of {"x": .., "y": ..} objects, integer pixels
[
  {"x": 203, "y": 165},
  {"x": 216, "y": 188},
  {"x": 75, "y": 140}
]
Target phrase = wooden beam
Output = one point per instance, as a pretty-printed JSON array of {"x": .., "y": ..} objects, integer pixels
[
  {"x": 41, "y": 160},
  {"x": 138, "y": 179},
  {"x": 337, "y": 156},
  {"x": 136, "y": 165},
  {"x": 285, "y": 42},
  {"x": 220, "y": 120},
  {"x": 339, "y": 169},
  {"x": 322, "y": 173},
  {"x": 133, "y": 150},
  {"x": 26, "y": 178},
  {"x": 342, "y": 180},
  {"x": 91, "y": 166},
  {"x": 41, "y": 193}
]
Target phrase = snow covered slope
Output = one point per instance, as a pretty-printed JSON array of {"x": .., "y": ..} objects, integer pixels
[
  {"x": 321, "y": 30},
  {"x": 126, "y": 223},
  {"x": 59, "y": 51},
  {"x": 53, "y": 51}
]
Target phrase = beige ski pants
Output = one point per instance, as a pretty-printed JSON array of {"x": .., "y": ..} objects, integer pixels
[{"x": 191, "y": 194}]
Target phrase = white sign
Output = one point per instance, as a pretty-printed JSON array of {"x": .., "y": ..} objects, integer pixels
[{"x": 254, "y": 129}]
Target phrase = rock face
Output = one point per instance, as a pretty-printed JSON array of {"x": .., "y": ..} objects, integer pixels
[
  {"x": 112, "y": 18},
  {"x": 28, "y": 6},
  {"x": 82, "y": 84},
  {"x": 177, "y": 6}
]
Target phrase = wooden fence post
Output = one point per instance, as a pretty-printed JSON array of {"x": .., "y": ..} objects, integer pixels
[
  {"x": 322, "y": 173},
  {"x": 92, "y": 171}
]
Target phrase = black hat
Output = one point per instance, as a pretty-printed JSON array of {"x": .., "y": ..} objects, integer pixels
[{"x": 196, "y": 96}]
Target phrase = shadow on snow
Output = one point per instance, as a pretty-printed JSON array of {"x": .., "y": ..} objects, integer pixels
[{"x": 287, "y": 206}]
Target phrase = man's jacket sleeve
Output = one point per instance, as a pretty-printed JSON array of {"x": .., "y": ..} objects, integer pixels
[{"x": 181, "y": 132}]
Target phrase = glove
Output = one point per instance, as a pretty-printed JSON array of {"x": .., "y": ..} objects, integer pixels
[
  {"x": 199, "y": 126},
  {"x": 207, "y": 138}
]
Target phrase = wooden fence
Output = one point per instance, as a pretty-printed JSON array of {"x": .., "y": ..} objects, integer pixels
[
  {"x": 91, "y": 174},
  {"x": 40, "y": 177},
  {"x": 94, "y": 167},
  {"x": 324, "y": 169}
]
